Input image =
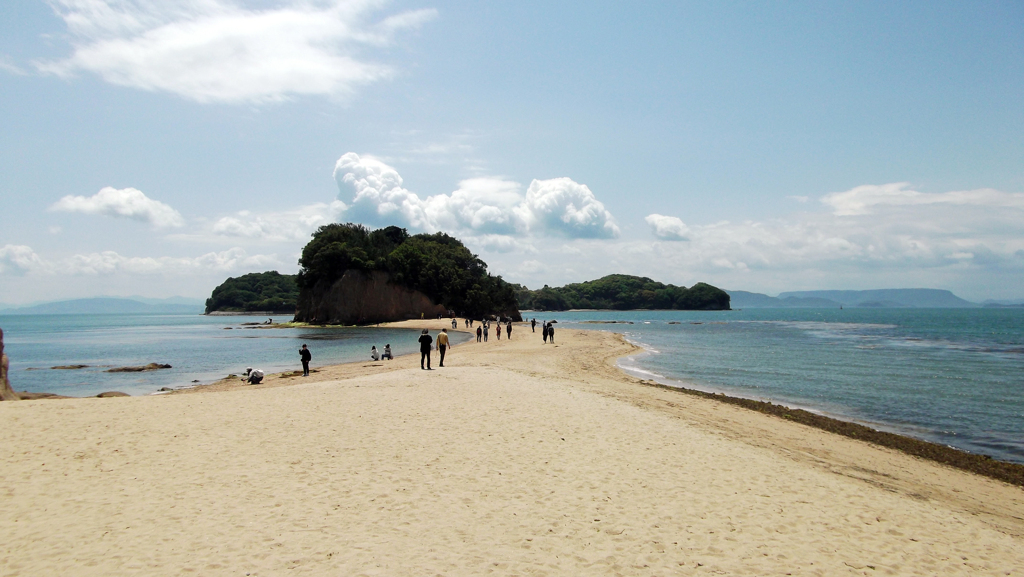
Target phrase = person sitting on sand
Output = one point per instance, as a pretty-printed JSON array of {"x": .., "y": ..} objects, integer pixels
[
  {"x": 387, "y": 352},
  {"x": 374, "y": 354}
]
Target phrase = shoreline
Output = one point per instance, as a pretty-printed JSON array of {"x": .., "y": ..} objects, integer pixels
[
  {"x": 516, "y": 457},
  {"x": 976, "y": 463}
]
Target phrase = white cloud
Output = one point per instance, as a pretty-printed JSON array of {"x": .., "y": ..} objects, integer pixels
[
  {"x": 126, "y": 202},
  {"x": 18, "y": 259},
  {"x": 868, "y": 198},
  {"x": 292, "y": 225},
  {"x": 220, "y": 51},
  {"x": 667, "y": 227},
  {"x": 8, "y": 65},
  {"x": 568, "y": 207},
  {"x": 480, "y": 206},
  {"x": 870, "y": 227}
]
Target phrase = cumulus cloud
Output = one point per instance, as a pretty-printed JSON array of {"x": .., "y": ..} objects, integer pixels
[
  {"x": 292, "y": 225},
  {"x": 221, "y": 51},
  {"x": 667, "y": 227},
  {"x": 480, "y": 206},
  {"x": 18, "y": 259},
  {"x": 126, "y": 203}
]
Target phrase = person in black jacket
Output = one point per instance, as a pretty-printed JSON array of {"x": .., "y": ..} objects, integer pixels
[
  {"x": 425, "y": 340},
  {"x": 306, "y": 356}
]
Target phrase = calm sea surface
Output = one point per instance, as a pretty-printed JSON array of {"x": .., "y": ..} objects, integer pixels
[
  {"x": 951, "y": 376},
  {"x": 198, "y": 348}
]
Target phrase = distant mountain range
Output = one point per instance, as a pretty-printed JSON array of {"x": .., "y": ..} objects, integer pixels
[
  {"x": 882, "y": 298},
  {"x": 109, "y": 305}
]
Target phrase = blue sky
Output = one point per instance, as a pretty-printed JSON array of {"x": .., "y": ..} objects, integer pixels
[{"x": 156, "y": 148}]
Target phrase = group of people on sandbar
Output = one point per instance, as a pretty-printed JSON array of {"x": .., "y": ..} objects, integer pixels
[{"x": 483, "y": 331}]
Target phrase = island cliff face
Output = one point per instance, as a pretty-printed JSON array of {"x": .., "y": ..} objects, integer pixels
[{"x": 360, "y": 297}]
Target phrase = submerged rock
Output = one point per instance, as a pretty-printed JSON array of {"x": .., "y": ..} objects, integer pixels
[
  {"x": 70, "y": 367},
  {"x": 149, "y": 367}
]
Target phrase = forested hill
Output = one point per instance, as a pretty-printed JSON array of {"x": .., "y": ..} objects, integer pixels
[
  {"x": 435, "y": 265},
  {"x": 268, "y": 291},
  {"x": 623, "y": 292}
]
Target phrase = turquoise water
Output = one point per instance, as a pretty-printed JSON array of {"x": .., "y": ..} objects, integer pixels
[
  {"x": 198, "y": 348},
  {"x": 950, "y": 376}
]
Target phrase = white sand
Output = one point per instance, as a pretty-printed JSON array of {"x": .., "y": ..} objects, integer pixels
[{"x": 515, "y": 459}]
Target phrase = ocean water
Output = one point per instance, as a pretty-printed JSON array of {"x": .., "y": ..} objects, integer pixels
[
  {"x": 950, "y": 376},
  {"x": 198, "y": 348}
]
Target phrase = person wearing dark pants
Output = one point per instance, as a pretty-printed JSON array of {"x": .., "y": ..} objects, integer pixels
[
  {"x": 425, "y": 340},
  {"x": 442, "y": 345},
  {"x": 306, "y": 356}
]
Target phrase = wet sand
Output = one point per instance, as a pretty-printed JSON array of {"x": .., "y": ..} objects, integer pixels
[{"x": 515, "y": 458}]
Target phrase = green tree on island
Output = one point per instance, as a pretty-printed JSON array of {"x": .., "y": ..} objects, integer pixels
[
  {"x": 623, "y": 292},
  {"x": 437, "y": 265},
  {"x": 268, "y": 291}
]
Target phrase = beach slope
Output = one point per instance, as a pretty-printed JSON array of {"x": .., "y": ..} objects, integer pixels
[{"x": 516, "y": 458}]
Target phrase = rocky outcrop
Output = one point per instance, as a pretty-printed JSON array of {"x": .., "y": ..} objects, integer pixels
[
  {"x": 359, "y": 298},
  {"x": 6, "y": 392},
  {"x": 139, "y": 369}
]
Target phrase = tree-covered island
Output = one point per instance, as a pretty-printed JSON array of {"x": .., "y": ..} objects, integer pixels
[
  {"x": 353, "y": 275},
  {"x": 268, "y": 291},
  {"x": 623, "y": 292},
  {"x": 350, "y": 274}
]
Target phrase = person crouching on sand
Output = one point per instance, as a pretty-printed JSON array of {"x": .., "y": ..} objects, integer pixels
[
  {"x": 374, "y": 354},
  {"x": 425, "y": 341},
  {"x": 442, "y": 346}
]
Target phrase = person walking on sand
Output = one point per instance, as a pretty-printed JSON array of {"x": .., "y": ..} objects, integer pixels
[
  {"x": 551, "y": 333},
  {"x": 442, "y": 345},
  {"x": 455, "y": 324},
  {"x": 544, "y": 331},
  {"x": 485, "y": 332},
  {"x": 478, "y": 333},
  {"x": 497, "y": 332},
  {"x": 305, "y": 356},
  {"x": 508, "y": 330},
  {"x": 425, "y": 340},
  {"x": 533, "y": 325}
]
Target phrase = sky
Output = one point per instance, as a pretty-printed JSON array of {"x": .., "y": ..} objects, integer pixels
[{"x": 157, "y": 147}]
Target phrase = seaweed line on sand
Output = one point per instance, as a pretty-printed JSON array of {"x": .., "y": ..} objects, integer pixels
[{"x": 1007, "y": 472}]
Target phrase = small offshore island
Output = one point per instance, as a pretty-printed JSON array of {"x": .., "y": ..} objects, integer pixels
[{"x": 352, "y": 275}]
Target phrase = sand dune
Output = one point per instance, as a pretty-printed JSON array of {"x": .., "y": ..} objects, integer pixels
[{"x": 516, "y": 459}]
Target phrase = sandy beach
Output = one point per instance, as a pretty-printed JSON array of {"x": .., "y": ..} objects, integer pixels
[{"x": 516, "y": 458}]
